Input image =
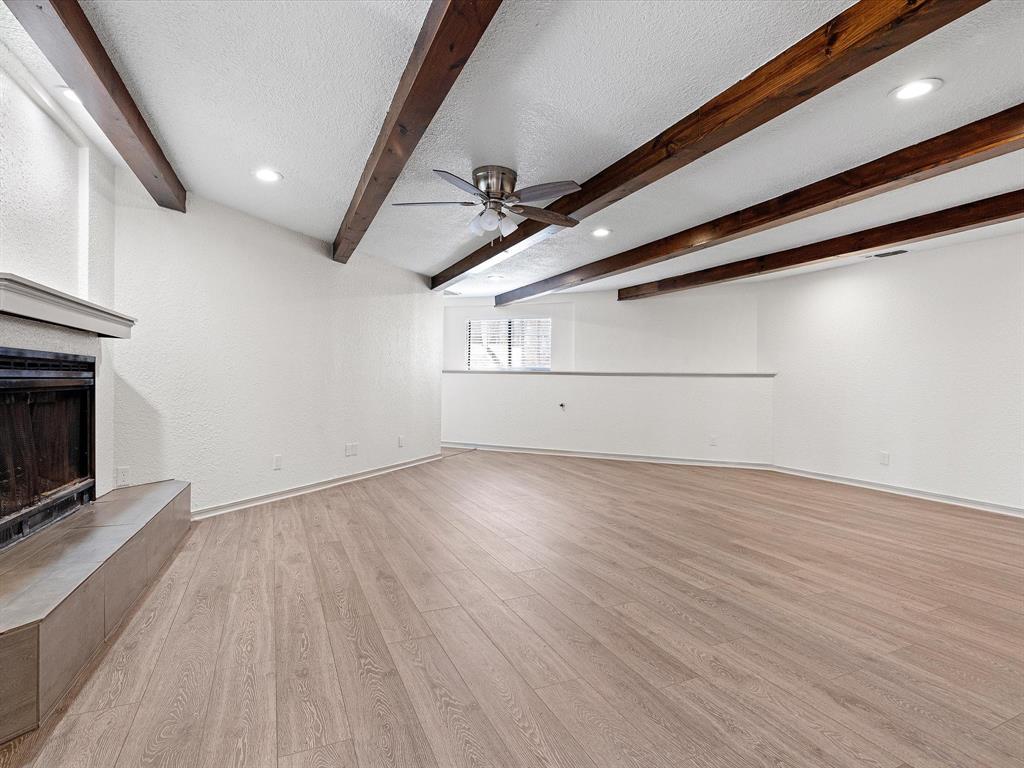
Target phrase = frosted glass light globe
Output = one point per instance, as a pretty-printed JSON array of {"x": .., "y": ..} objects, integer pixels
[
  {"x": 507, "y": 226},
  {"x": 489, "y": 220},
  {"x": 475, "y": 227}
]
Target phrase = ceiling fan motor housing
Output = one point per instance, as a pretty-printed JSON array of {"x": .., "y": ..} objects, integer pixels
[{"x": 495, "y": 180}]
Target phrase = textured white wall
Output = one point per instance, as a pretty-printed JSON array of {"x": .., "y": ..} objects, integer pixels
[
  {"x": 652, "y": 416},
  {"x": 920, "y": 355},
  {"x": 670, "y": 417},
  {"x": 57, "y": 228},
  {"x": 711, "y": 330},
  {"x": 252, "y": 342},
  {"x": 38, "y": 193}
]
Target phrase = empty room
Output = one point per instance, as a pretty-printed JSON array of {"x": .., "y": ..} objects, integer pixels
[{"x": 511, "y": 383}]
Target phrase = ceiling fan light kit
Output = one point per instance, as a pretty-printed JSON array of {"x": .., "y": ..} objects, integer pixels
[{"x": 494, "y": 188}]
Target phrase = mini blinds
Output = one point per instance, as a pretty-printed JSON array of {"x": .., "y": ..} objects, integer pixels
[{"x": 515, "y": 344}]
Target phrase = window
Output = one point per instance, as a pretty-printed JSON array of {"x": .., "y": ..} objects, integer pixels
[{"x": 516, "y": 344}]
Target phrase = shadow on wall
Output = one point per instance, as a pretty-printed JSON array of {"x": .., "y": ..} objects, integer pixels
[{"x": 138, "y": 443}]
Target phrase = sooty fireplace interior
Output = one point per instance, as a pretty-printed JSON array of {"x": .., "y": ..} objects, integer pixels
[{"x": 47, "y": 448}]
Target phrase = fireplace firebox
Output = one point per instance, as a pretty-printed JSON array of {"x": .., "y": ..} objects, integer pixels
[{"x": 47, "y": 436}]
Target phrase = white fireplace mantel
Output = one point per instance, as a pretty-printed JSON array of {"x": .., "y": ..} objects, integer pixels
[{"x": 25, "y": 298}]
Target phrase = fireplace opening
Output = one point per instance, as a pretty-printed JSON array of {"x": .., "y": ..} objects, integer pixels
[{"x": 47, "y": 468}]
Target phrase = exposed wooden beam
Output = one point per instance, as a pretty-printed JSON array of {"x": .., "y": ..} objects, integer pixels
[
  {"x": 981, "y": 213},
  {"x": 450, "y": 33},
  {"x": 860, "y": 36},
  {"x": 973, "y": 143},
  {"x": 67, "y": 39}
]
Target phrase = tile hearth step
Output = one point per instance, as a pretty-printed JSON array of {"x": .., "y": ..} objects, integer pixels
[{"x": 64, "y": 590}]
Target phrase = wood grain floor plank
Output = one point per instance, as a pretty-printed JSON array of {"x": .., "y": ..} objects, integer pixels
[
  {"x": 528, "y": 653},
  {"x": 241, "y": 722},
  {"x": 529, "y": 729},
  {"x": 89, "y": 740},
  {"x": 341, "y": 755},
  {"x": 386, "y": 732},
  {"x": 458, "y": 731},
  {"x": 169, "y": 722},
  {"x": 648, "y": 659},
  {"x": 311, "y": 709},
  {"x": 611, "y": 741}
]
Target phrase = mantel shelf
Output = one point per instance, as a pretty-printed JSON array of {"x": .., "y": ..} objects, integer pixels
[{"x": 25, "y": 298}]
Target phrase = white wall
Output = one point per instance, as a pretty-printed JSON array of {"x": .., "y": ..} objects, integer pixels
[
  {"x": 696, "y": 418},
  {"x": 57, "y": 228},
  {"x": 919, "y": 355},
  {"x": 692, "y": 418},
  {"x": 252, "y": 342},
  {"x": 713, "y": 330}
]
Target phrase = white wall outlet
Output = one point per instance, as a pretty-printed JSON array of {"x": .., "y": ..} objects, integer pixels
[
  {"x": 883, "y": 458},
  {"x": 355, "y": 449},
  {"x": 122, "y": 476},
  {"x": 713, "y": 440},
  {"x": 401, "y": 441},
  {"x": 351, "y": 449},
  {"x": 277, "y": 461}
]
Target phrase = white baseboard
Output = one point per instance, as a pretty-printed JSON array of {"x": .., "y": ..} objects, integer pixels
[
  {"x": 613, "y": 456},
  {"x": 999, "y": 509},
  {"x": 231, "y": 506},
  {"x": 985, "y": 506}
]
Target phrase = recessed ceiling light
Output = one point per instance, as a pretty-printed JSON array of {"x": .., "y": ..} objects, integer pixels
[
  {"x": 601, "y": 232},
  {"x": 70, "y": 95},
  {"x": 495, "y": 277},
  {"x": 916, "y": 88},
  {"x": 268, "y": 175}
]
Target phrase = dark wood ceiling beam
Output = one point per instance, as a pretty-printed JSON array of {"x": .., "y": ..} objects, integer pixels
[
  {"x": 67, "y": 39},
  {"x": 973, "y": 143},
  {"x": 450, "y": 33},
  {"x": 860, "y": 36},
  {"x": 981, "y": 213}
]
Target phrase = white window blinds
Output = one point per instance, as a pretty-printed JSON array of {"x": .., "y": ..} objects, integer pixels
[{"x": 514, "y": 344}]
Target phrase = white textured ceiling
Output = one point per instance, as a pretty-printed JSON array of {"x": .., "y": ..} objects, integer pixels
[
  {"x": 229, "y": 87},
  {"x": 556, "y": 90}
]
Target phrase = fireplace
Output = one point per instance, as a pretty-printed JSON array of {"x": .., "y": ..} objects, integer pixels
[{"x": 47, "y": 468}]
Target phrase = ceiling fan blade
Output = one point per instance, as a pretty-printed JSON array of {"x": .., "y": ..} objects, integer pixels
[
  {"x": 446, "y": 202},
  {"x": 541, "y": 214},
  {"x": 462, "y": 184},
  {"x": 544, "y": 191}
]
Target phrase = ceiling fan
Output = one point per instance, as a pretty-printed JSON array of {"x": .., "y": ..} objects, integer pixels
[{"x": 494, "y": 188}]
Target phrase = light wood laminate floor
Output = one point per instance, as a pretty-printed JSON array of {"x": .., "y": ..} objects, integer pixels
[{"x": 512, "y": 610}]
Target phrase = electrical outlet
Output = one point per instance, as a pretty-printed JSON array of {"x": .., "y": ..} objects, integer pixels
[
  {"x": 351, "y": 449},
  {"x": 122, "y": 476},
  {"x": 883, "y": 458},
  {"x": 713, "y": 440},
  {"x": 401, "y": 441},
  {"x": 355, "y": 449},
  {"x": 277, "y": 461}
]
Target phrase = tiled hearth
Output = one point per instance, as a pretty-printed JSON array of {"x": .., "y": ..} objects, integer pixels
[{"x": 64, "y": 590}]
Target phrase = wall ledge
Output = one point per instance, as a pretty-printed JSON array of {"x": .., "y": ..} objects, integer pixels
[
  {"x": 682, "y": 374},
  {"x": 35, "y": 301}
]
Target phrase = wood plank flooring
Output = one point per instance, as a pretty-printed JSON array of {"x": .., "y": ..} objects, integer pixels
[{"x": 510, "y": 610}]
